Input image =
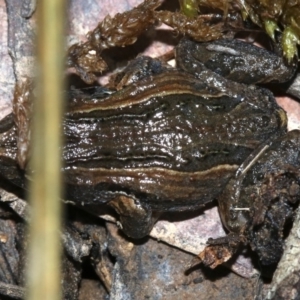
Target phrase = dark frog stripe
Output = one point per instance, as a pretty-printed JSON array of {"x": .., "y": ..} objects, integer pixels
[
  {"x": 162, "y": 189},
  {"x": 170, "y": 83}
]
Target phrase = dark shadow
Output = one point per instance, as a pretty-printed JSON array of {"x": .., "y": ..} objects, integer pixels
[{"x": 185, "y": 215}]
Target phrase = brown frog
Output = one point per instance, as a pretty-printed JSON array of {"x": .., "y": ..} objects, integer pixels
[{"x": 172, "y": 138}]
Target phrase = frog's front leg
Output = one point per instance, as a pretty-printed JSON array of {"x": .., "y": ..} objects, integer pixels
[{"x": 135, "y": 218}]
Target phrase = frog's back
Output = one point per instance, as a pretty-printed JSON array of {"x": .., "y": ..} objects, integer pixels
[{"x": 167, "y": 140}]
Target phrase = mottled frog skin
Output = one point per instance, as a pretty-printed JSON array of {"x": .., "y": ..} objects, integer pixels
[{"x": 171, "y": 138}]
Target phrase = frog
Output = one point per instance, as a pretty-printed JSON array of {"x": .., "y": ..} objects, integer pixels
[{"x": 168, "y": 139}]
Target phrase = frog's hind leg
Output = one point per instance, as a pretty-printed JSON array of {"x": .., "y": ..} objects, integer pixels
[{"x": 135, "y": 219}]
